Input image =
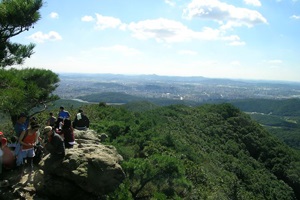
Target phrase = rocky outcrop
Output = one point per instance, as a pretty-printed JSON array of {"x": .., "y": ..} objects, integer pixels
[{"x": 90, "y": 170}]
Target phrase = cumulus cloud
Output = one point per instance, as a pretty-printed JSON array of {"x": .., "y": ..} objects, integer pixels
[
  {"x": 40, "y": 37},
  {"x": 253, "y": 2},
  {"x": 104, "y": 22},
  {"x": 87, "y": 19},
  {"x": 223, "y": 13},
  {"x": 160, "y": 29},
  {"x": 165, "y": 30},
  {"x": 54, "y": 15}
]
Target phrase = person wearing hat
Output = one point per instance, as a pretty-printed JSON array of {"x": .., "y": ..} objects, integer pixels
[
  {"x": 28, "y": 140},
  {"x": 81, "y": 121},
  {"x": 55, "y": 144}
]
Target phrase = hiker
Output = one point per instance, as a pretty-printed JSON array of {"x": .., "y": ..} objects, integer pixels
[
  {"x": 51, "y": 121},
  {"x": 63, "y": 113},
  {"x": 38, "y": 148},
  {"x": 20, "y": 127},
  {"x": 56, "y": 147},
  {"x": 21, "y": 124},
  {"x": 81, "y": 121},
  {"x": 55, "y": 144},
  {"x": 8, "y": 158},
  {"x": 28, "y": 140},
  {"x": 34, "y": 120},
  {"x": 68, "y": 134}
]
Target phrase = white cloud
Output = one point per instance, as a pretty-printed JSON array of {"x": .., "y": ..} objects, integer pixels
[
  {"x": 40, "y": 37},
  {"x": 253, "y": 2},
  {"x": 104, "y": 22},
  {"x": 222, "y": 13},
  {"x": 165, "y": 30},
  {"x": 297, "y": 17},
  {"x": 87, "y": 19},
  {"x": 162, "y": 30},
  {"x": 54, "y": 15}
]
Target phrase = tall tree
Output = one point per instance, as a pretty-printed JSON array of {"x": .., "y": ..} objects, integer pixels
[
  {"x": 16, "y": 16},
  {"x": 21, "y": 90}
]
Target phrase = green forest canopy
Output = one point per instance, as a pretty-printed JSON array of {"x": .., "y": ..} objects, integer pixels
[{"x": 209, "y": 151}]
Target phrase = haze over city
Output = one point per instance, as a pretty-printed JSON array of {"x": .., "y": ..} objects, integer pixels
[{"x": 245, "y": 39}]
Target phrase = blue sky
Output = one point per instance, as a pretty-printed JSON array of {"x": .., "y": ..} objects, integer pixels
[{"x": 244, "y": 39}]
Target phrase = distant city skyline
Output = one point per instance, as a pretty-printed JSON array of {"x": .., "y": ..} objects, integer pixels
[{"x": 245, "y": 39}]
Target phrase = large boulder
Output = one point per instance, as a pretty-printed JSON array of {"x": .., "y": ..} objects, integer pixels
[{"x": 89, "y": 170}]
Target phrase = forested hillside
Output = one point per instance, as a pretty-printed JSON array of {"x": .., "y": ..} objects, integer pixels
[
  {"x": 280, "y": 117},
  {"x": 205, "y": 152},
  {"x": 213, "y": 151}
]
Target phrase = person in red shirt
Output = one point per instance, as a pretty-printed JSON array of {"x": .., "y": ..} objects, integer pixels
[
  {"x": 28, "y": 141},
  {"x": 8, "y": 158}
]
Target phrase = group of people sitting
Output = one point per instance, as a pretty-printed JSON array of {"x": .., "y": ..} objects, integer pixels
[{"x": 58, "y": 134}]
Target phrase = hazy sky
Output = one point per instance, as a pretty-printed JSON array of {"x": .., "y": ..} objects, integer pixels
[{"x": 248, "y": 39}]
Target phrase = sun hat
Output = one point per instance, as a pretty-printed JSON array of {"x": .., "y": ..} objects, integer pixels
[{"x": 47, "y": 129}]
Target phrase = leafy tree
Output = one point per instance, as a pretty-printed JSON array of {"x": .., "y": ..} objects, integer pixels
[
  {"x": 16, "y": 16},
  {"x": 23, "y": 90}
]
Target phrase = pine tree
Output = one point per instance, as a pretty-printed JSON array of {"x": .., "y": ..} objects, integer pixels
[{"x": 16, "y": 16}]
